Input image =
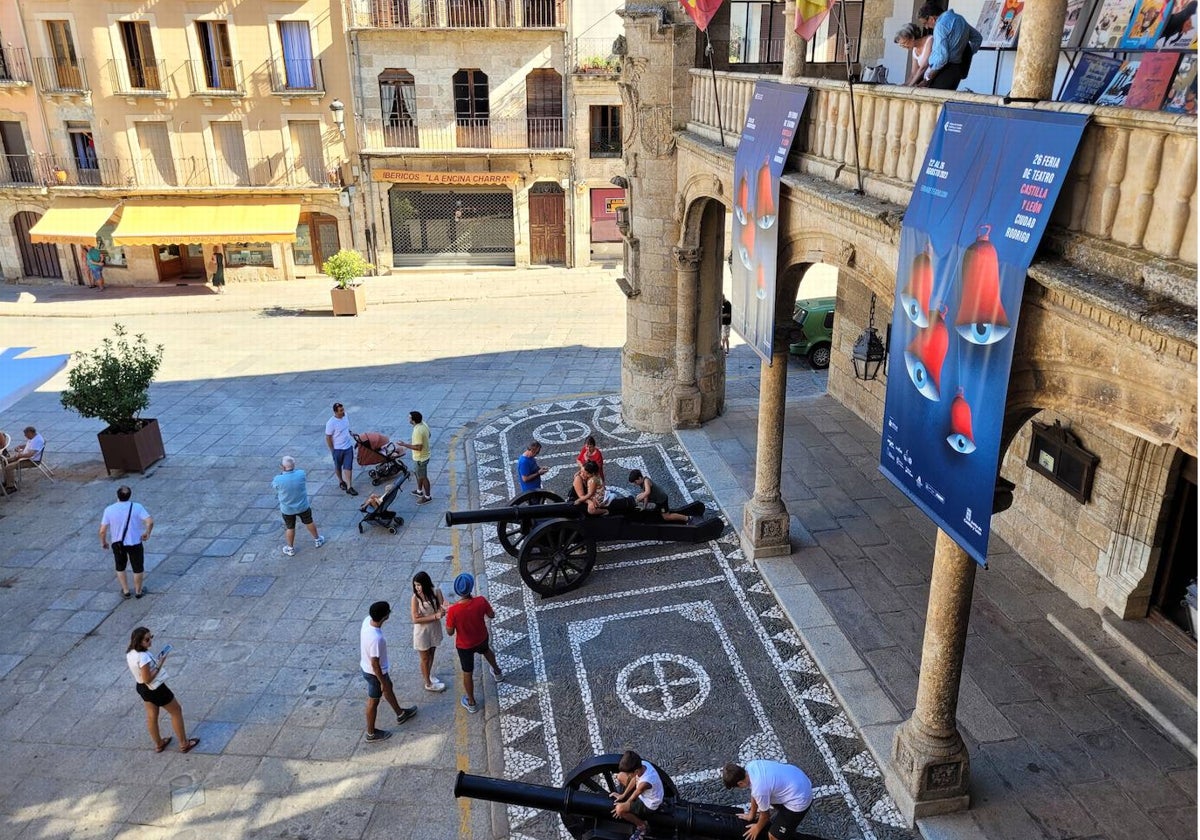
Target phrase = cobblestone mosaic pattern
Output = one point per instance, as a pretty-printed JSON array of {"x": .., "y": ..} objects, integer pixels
[{"x": 678, "y": 651}]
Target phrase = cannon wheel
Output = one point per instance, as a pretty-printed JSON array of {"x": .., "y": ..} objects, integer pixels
[
  {"x": 511, "y": 534},
  {"x": 556, "y": 557},
  {"x": 598, "y": 774}
]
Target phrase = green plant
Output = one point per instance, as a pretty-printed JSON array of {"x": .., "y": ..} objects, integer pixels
[
  {"x": 112, "y": 381},
  {"x": 598, "y": 62},
  {"x": 345, "y": 267}
]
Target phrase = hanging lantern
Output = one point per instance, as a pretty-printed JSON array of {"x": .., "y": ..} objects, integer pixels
[
  {"x": 962, "y": 438},
  {"x": 869, "y": 352},
  {"x": 764, "y": 205},
  {"x": 742, "y": 208},
  {"x": 981, "y": 318},
  {"x": 925, "y": 355},
  {"x": 918, "y": 290},
  {"x": 746, "y": 245}
]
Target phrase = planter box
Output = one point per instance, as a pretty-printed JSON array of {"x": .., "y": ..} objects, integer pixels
[
  {"x": 348, "y": 301},
  {"x": 132, "y": 451}
]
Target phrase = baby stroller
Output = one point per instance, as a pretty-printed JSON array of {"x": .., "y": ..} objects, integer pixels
[
  {"x": 382, "y": 456},
  {"x": 381, "y": 514}
]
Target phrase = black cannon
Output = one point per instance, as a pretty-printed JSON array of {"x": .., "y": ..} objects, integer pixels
[
  {"x": 555, "y": 541},
  {"x": 585, "y": 804}
]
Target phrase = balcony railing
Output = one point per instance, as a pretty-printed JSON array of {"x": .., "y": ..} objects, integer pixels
[
  {"x": 138, "y": 78},
  {"x": 604, "y": 141},
  {"x": 40, "y": 170},
  {"x": 457, "y": 14},
  {"x": 216, "y": 78},
  {"x": 14, "y": 66},
  {"x": 297, "y": 75},
  {"x": 1110, "y": 192},
  {"x": 59, "y": 75},
  {"x": 466, "y": 133},
  {"x": 18, "y": 170},
  {"x": 594, "y": 55}
]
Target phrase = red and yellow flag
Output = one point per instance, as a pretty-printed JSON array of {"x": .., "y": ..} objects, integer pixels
[
  {"x": 810, "y": 14},
  {"x": 701, "y": 11}
]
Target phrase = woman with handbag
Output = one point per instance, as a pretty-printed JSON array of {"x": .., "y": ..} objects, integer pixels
[{"x": 150, "y": 676}]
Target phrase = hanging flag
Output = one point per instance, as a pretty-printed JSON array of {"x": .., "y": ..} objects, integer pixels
[
  {"x": 701, "y": 11},
  {"x": 810, "y": 14}
]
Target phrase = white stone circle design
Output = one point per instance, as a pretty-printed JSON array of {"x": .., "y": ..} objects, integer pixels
[
  {"x": 669, "y": 677},
  {"x": 561, "y": 431}
]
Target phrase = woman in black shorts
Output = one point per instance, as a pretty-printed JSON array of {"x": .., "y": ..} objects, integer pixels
[{"x": 146, "y": 669}]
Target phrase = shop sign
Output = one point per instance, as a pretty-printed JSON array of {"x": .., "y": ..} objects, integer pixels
[{"x": 449, "y": 179}]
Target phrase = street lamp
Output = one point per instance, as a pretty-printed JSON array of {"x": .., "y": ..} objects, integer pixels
[
  {"x": 869, "y": 352},
  {"x": 338, "y": 109}
]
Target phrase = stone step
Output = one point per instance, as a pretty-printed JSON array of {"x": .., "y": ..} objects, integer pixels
[
  {"x": 1158, "y": 699},
  {"x": 1170, "y": 656}
]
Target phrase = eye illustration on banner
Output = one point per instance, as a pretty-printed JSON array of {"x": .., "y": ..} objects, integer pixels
[
  {"x": 762, "y": 283},
  {"x": 981, "y": 316},
  {"x": 926, "y": 354},
  {"x": 919, "y": 288},
  {"x": 746, "y": 244},
  {"x": 962, "y": 438},
  {"x": 742, "y": 209},
  {"x": 764, "y": 207}
]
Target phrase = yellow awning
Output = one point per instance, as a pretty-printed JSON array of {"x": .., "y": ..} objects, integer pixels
[
  {"x": 74, "y": 221},
  {"x": 208, "y": 222}
]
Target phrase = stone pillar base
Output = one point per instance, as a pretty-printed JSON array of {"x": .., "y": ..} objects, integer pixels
[
  {"x": 765, "y": 531},
  {"x": 685, "y": 407},
  {"x": 934, "y": 770}
]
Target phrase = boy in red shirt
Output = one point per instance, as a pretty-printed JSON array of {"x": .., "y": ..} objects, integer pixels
[{"x": 465, "y": 622}]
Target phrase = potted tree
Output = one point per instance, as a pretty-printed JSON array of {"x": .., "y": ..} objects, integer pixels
[
  {"x": 112, "y": 382},
  {"x": 346, "y": 267}
]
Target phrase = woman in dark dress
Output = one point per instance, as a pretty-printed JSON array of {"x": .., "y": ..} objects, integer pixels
[{"x": 218, "y": 264}]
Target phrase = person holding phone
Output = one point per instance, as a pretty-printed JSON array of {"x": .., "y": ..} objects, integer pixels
[{"x": 149, "y": 674}]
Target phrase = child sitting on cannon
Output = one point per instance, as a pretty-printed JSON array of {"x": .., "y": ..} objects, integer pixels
[
  {"x": 651, "y": 497},
  {"x": 641, "y": 792}
]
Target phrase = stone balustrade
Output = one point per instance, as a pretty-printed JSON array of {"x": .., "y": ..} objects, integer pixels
[{"x": 1132, "y": 184}]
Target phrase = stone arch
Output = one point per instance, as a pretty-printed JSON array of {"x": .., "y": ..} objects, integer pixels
[{"x": 689, "y": 205}]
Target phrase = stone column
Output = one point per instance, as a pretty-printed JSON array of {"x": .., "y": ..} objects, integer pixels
[
  {"x": 929, "y": 754},
  {"x": 794, "y": 55},
  {"x": 765, "y": 518},
  {"x": 685, "y": 412},
  {"x": 1038, "y": 49}
]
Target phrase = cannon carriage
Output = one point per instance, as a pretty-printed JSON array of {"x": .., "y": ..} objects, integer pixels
[{"x": 554, "y": 541}]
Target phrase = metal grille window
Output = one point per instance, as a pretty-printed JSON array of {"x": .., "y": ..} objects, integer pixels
[
  {"x": 451, "y": 227},
  {"x": 604, "y": 123}
]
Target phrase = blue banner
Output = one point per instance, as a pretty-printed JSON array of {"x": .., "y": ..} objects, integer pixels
[
  {"x": 977, "y": 213},
  {"x": 771, "y": 124}
]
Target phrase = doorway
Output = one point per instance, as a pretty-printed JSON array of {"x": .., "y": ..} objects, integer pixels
[
  {"x": 180, "y": 262},
  {"x": 316, "y": 240},
  {"x": 1177, "y": 562},
  {"x": 547, "y": 224},
  {"x": 40, "y": 260}
]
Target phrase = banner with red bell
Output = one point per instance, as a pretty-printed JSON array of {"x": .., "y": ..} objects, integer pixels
[
  {"x": 925, "y": 356},
  {"x": 919, "y": 288},
  {"x": 981, "y": 317},
  {"x": 961, "y": 439}
]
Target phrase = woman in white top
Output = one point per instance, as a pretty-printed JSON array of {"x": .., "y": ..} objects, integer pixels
[
  {"x": 147, "y": 669},
  {"x": 428, "y": 609},
  {"x": 912, "y": 37}
]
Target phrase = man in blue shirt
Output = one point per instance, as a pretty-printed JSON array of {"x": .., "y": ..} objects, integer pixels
[
  {"x": 529, "y": 474},
  {"x": 954, "y": 43},
  {"x": 291, "y": 486}
]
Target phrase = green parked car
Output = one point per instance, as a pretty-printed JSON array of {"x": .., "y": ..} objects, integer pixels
[{"x": 815, "y": 317}]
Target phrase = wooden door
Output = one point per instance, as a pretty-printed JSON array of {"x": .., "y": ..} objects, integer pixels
[
  {"x": 39, "y": 260},
  {"x": 191, "y": 262},
  {"x": 547, "y": 228},
  {"x": 66, "y": 65}
]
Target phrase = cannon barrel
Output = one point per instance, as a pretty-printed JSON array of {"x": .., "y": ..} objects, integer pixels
[
  {"x": 516, "y": 513},
  {"x": 689, "y": 820}
]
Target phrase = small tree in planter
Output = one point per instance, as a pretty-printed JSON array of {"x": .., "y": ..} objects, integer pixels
[
  {"x": 112, "y": 382},
  {"x": 346, "y": 267}
]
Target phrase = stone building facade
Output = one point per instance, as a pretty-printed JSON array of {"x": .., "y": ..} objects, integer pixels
[{"x": 1106, "y": 346}]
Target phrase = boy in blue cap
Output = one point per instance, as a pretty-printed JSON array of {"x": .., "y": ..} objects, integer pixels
[{"x": 466, "y": 622}]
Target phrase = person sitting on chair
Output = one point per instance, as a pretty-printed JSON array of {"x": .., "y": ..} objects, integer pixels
[
  {"x": 651, "y": 497},
  {"x": 593, "y": 493},
  {"x": 27, "y": 455}
]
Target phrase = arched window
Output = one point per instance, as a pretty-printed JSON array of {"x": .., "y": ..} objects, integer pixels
[{"x": 398, "y": 104}]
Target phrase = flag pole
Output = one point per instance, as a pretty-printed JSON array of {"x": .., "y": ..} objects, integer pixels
[
  {"x": 841, "y": 21},
  {"x": 708, "y": 51}
]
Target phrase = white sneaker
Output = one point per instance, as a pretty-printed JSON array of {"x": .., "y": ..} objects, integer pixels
[
  {"x": 435, "y": 685},
  {"x": 289, "y": 551},
  {"x": 319, "y": 541}
]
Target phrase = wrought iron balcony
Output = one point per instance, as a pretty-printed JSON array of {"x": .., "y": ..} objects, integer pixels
[
  {"x": 216, "y": 78},
  {"x": 465, "y": 134},
  {"x": 14, "y": 66},
  {"x": 457, "y": 14},
  {"x": 594, "y": 56},
  {"x": 60, "y": 75},
  {"x": 604, "y": 141},
  {"x": 138, "y": 78},
  {"x": 18, "y": 171},
  {"x": 302, "y": 76}
]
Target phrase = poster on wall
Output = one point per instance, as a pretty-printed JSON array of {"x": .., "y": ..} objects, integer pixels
[
  {"x": 1153, "y": 77},
  {"x": 1149, "y": 17},
  {"x": 1111, "y": 23},
  {"x": 1091, "y": 77},
  {"x": 771, "y": 125},
  {"x": 1181, "y": 97},
  {"x": 1078, "y": 13},
  {"x": 1007, "y": 26},
  {"x": 977, "y": 213}
]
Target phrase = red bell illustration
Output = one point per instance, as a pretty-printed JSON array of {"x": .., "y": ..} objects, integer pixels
[
  {"x": 764, "y": 199},
  {"x": 981, "y": 318},
  {"x": 962, "y": 438},
  {"x": 762, "y": 284},
  {"x": 925, "y": 355},
  {"x": 742, "y": 208},
  {"x": 916, "y": 293},
  {"x": 746, "y": 245}
]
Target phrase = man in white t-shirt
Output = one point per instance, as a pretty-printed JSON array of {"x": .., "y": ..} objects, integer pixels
[
  {"x": 126, "y": 525},
  {"x": 773, "y": 785},
  {"x": 373, "y": 660},
  {"x": 641, "y": 792},
  {"x": 28, "y": 454},
  {"x": 340, "y": 441}
]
